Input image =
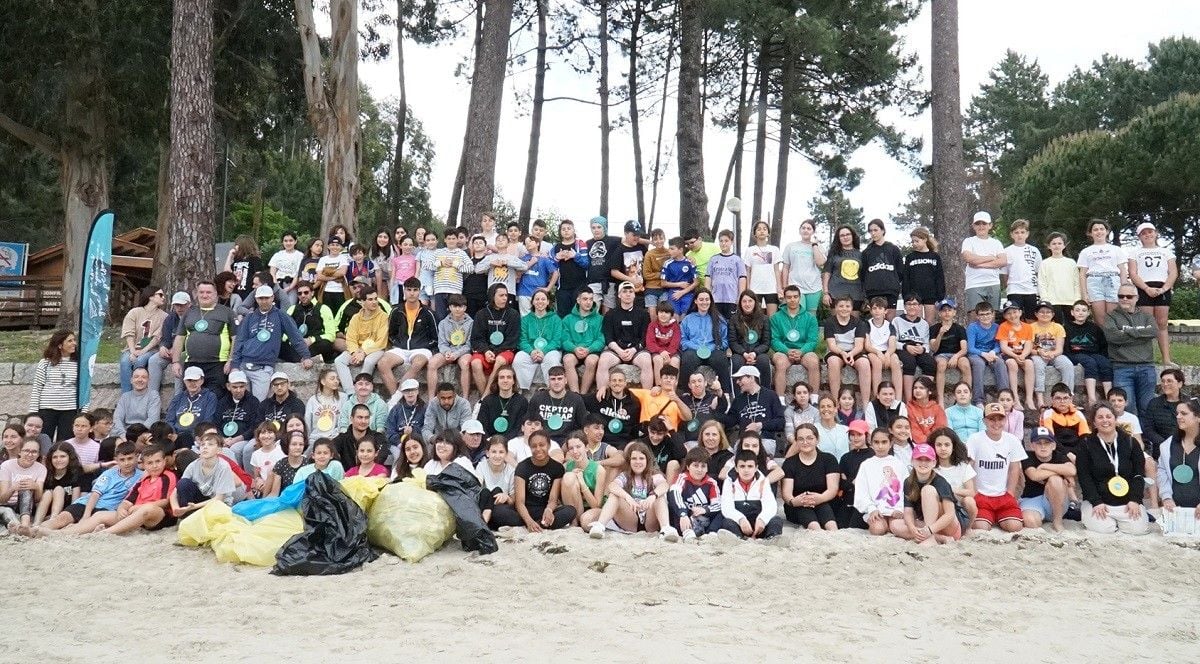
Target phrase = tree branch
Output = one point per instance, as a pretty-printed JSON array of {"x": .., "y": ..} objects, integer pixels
[{"x": 29, "y": 135}]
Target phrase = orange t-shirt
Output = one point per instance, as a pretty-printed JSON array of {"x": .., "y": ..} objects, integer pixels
[{"x": 1014, "y": 338}]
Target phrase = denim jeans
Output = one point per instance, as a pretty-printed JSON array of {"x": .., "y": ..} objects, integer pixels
[
  {"x": 128, "y": 365},
  {"x": 978, "y": 366},
  {"x": 1138, "y": 381}
]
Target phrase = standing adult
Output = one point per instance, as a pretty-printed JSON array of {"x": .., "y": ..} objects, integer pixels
[
  {"x": 161, "y": 360},
  {"x": 55, "y": 393},
  {"x": 802, "y": 264},
  {"x": 259, "y": 338},
  {"x": 141, "y": 332},
  {"x": 984, "y": 258},
  {"x": 1110, "y": 467},
  {"x": 1131, "y": 334},
  {"x": 843, "y": 270},
  {"x": 205, "y": 338},
  {"x": 244, "y": 261},
  {"x": 1153, "y": 271}
]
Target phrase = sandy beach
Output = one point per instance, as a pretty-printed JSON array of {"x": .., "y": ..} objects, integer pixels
[{"x": 807, "y": 597}]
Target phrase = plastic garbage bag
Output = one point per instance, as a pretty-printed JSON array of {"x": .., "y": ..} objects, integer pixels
[
  {"x": 257, "y": 543},
  {"x": 410, "y": 520},
  {"x": 256, "y": 509},
  {"x": 207, "y": 524},
  {"x": 460, "y": 489},
  {"x": 363, "y": 490},
  {"x": 334, "y": 540}
]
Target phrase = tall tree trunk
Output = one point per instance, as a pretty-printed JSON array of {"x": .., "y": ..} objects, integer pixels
[
  {"x": 398, "y": 183},
  {"x": 639, "y": 185},
  {"x": 460, "y": 175},
  {"x": 949, "y": 174},
  {"x": 734, "y": 172},
  {"x": 192, "y": 162},
  {"x": 85, "y": 194},
  {"x": 333, "y": 101},
  {"x": 716, "y": 222},
  {"x": 760, "y": 138},
  {"x": 162, "y": 218},
  {"x": 662, "y": 117},
  {"x": 535, "y": 119},
  {"x": 693, "y": 201},
  {"x": 785, "y": 139},
  {"x": 483, "y": 113},
  {"x": 605, "y": 125}
]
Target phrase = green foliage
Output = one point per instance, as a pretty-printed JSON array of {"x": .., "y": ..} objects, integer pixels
[
  {"x": 831, "y": 209},
  {"x": 1185, "y": 302}
]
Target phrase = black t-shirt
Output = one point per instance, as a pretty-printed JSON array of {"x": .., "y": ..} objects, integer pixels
[
  {"x": 571, "y": 275},
  {"x": 810, "y": 477},
  {"x": 670, "y": 450},
  {"x": 628, "y": 260},
  {"x": 538, "y": 482},
  {"x": 940, "y": 484},
  {"x": 844, "y": 335},
  {"x": 601, "y": 254},
  {"x": 952, "y": 341},
  {"x": 849, "y": 466},
  {"x": 717, "y": 461},
  {"x": 1035, "y": 489}
]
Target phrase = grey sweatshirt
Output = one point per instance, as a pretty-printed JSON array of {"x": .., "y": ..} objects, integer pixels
[
  {"x": 438, "y": 419},
  {"x": 136, "y": 408}
]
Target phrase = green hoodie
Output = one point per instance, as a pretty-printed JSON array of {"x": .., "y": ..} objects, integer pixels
[
  {"x": 592, "y": 338},
  {"x": 549, "y": 327}
]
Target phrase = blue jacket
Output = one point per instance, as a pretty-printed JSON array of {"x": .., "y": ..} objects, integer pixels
[
  {"x": 203, "y": 408},
  {"x": 247, "y": 349},
  {"x": 537, "y": 276},
  {"x": 399, "y": 415},
  {"x": 980, "y": 340},
  {"x": 696, "y": 331}
]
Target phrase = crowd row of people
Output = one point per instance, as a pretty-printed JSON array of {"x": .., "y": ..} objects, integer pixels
[{"x": 706, "y": 314}]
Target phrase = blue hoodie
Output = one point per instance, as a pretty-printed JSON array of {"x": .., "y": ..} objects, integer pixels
[
  {"x": 697, "y": 331},
  {"x": 248, "y": 349},
  {"x": 982, "y": 339}
]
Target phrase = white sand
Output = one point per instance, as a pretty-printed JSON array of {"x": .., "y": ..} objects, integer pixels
[{"x": 811, "y": 597}]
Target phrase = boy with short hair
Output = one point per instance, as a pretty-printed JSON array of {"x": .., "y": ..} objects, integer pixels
[
  {"x": 748, "y": 506},
  {"x": 652, "y": 265},
  {"x": 541, "y": 271},
  {"x": 1021, "y": 272},
  {"x": 1016, "y": 346},
  {"x": 1063, "y": 420},
  {"x": 727, "y": 276},
  {"x": 948, "y": 341},
  {"x": 913, "y": 344},
  {"x": 678, "y": 278},
  {"x": 983, "y": 351},
  {"x": 503, "y": 267},
  {"x": 1048, "y": 473},
  {"x": 106, "y": 495},
  {"x": 454, "y": 346},
  {"x": 694, "y": 500},
  {"x": 147, "y": 503}
]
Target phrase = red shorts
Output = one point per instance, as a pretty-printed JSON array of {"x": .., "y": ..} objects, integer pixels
[
  {"x": 487, "y": 366},
  {"x": 995, "y": 509}
]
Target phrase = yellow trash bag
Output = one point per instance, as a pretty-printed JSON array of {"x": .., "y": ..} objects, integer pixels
[
  {"x": 410, "y": 520},
  {"x": 255, "y": 543},
  {"x": 211, "y": 522},
  {"x": 363, "y": 490}
]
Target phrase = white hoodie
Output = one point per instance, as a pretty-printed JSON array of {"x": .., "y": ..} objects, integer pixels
[
  {"x": 758, "y": 492},
  {"x": 874, "y": 492}
]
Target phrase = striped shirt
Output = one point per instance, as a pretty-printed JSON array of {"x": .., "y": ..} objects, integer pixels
[
  {"x": 54, "y": 386},
  {"x": 447, "y": 279}
]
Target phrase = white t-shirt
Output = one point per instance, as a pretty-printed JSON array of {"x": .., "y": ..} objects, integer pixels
[
  {"x": 1022, "y": 269},
  {"x": 803, "y": 272},
  {"x": 340, "y": 261},
  {"x": 286, "y": 264},
  {"x": 956, "y": 476},
  {"x": 1130, "y": 423},
  {"x": 978, "y": 277},
  {"x": 433, "y": 466},
  {"x": 492, "y": 480},
  {"x": 991, "y": 459},
  {"x": 263, "y": 461},
  {"x": 879, "y": 335},
  {"x": 1152, "y": 262},
  {"x": 1102, "y": 259},
  {"x": 761, "y": 262}
]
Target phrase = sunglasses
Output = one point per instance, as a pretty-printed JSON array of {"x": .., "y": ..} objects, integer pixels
[{"x": 1126, "y": 297}]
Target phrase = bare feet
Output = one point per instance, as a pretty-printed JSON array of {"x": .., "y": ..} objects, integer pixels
[
  {"x": 1057, "y": 526},
  {"x": 99, "y": 528},
  {"x": 13, "y": 527}
]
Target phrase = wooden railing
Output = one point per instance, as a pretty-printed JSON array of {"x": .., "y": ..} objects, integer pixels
[{"x": 28, "y": 301}]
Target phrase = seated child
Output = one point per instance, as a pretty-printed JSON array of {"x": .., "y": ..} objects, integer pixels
[
  {"x": 695, "y": 500},
  {"x": 263, "y": 459},
  {"x": 1016, "y": 346},
  {"x": 368, "y": 450},
  {"x": 536, "y": 491},
  {"x": 1065, "y": 422},
  {"x": 1047, "y": 474},
  {"x": 106, "y": 495},
  {"x": 636, "y": 497},
  {"x": 496, "y": 476},
  {"x": 206, "y": 479},
  {"x": 584, "y": 483},
  {"x": 748, "y": 507},
  {"x": 954, "y": 465},
  {"x": 931, "y": 514},
  {"x": 877, "y": 489}
]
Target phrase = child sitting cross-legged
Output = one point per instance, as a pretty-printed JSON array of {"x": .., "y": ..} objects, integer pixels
[
  {"x": 748, "y": 504},
  {"x": 106, "y": 495}
]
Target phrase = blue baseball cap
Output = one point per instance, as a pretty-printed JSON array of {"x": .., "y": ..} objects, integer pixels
[{"x": 947, "y": 303}]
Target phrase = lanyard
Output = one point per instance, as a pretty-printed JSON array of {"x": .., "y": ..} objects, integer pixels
[{"x": 1113, "y": 456}]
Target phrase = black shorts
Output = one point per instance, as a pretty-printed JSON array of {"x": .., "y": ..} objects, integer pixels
[
  {"x": 891, "y": 299},
  {"x": 1145, "y": 300},
  {"x": 168, "y": 520},
  {"x": 769, "y": 298},
  {"x": 803, "y": 516},
  {"x": 1028, "y": 304},
  {"x": 909, "y": 363},
  {"x": 76, "y": 511}
]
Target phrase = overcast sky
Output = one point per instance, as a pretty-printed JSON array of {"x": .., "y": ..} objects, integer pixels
[{"x": 1061, "y": 35}]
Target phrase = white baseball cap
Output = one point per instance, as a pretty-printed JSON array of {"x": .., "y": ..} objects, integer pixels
[
  {"x": 264, "y": 291},
  {"x": 747, "y": 370},
  {"x": 409, "y": 384},
  {"x": 181, "y": 298},
  {"x": 981, "y": 216},
  {"x": 279, "y": 375},
  {"x": 472, "y": 426},
  {"x": 193, "y": 373},
  {"x": 237, "y": 376},
  {"x": 1145, "y": 226}
]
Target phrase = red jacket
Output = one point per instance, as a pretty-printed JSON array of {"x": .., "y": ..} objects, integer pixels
[{"x": 662, "y": 338}]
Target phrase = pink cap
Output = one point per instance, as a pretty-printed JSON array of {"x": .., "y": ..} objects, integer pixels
[
  {"x": 859, "y": 426},
  {"x": 924, "y": 451}
]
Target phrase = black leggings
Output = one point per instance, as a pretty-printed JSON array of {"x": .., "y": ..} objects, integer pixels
[
  {"x": 803, "y": 516},
  {"x": 774, "y": 528},
  {"x": 58, "y": 423},
  {"x": 506, "y": 515}
]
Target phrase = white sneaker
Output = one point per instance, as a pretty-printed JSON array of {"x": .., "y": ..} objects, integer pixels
[
  {"x": 689, "y": 535},
  {"x": 669, "y": 535},
  {"x": 596, "y": 531}
]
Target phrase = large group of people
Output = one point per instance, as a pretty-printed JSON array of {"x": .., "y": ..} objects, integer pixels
[{"x": 634, "y": 383}]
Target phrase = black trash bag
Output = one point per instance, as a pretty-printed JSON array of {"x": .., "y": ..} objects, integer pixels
[
  {"x": 334, "y": 540},
  {"x": 460, "y": 489}
]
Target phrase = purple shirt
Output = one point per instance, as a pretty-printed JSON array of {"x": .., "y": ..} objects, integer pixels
[{"x": 725, "y": 271}]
